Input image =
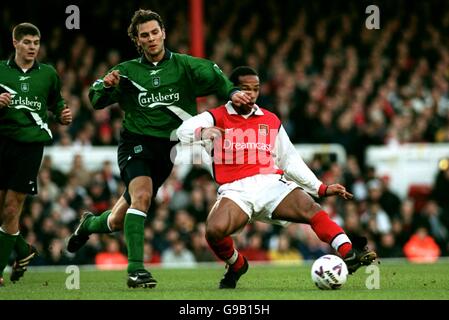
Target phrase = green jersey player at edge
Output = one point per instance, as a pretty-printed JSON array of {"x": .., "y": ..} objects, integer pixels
[{"x": 28, "y": 89}]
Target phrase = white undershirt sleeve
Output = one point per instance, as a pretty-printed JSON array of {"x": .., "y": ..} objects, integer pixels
[
  {"x": 188, "y": 131},
  {"x": 294, "y": 167}
]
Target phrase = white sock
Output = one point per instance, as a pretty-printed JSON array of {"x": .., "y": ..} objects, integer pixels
[
  {"x": 233, "y": 258},
  {"x": 136, "y": 212},
  {"x": 339, "y": 240}
]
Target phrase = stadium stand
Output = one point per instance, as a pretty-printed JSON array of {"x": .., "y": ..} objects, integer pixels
[{"x": 329, "y": 79}]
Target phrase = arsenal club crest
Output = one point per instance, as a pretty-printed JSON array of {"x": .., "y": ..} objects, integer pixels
[{"x": 263, "y": 130}]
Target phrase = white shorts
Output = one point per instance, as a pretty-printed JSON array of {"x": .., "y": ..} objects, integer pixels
[{"x": 258, "y": 195}]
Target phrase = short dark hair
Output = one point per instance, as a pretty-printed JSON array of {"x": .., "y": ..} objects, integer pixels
[
  {"x": 139, "y": 17},
  {"x": 25, "y": 29},
  {"x": 239, "y": 72}
]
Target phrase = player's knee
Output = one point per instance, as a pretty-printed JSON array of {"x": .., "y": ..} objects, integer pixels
[
  {"x": 10, "y": 216},
  {"x": 141, "y": 200},
  {"x": 115, "y": 223},
  {"x": 309, "y": 209},
  {"x": 10, "y": 210},
  {"x": 215, "y": 231}
]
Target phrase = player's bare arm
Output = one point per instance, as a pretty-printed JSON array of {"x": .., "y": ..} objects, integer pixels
[
  {"x": 112, "y": 79},
  {"x": 5, "y": 99},
  {"x": 338, "y": 190},
  {"x": 240, "y": 98},
  {"x": 66, "y": 116}
]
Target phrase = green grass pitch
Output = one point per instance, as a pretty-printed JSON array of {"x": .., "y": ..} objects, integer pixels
[{"x": 398, "y": 280}]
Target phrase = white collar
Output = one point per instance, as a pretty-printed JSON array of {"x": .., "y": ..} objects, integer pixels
[{"x": 256, "y": 110}]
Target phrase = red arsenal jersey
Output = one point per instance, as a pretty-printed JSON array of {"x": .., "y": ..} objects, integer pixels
[{"x": 246, "y": 146}]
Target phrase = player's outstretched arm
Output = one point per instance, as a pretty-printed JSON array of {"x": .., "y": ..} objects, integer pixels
[
  {"x": 338, "y": 190},
  {"x": 193, "y": 129},
  {"x": 294, "y": 167},
  {"x": 66, "y": 116},
  {"x": 102, "y": 93},
  {"x": 289, "y": 160}
]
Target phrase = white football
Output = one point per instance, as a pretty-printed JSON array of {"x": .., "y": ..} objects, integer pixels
[{"x": 329, "y": 272}]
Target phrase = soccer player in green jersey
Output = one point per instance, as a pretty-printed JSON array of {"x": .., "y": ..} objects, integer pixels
[
  {"x": 27, "y": 90},
  {"x": 158, "y": 92}
]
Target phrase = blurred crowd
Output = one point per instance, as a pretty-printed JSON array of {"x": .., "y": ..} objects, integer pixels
[{"x": 329, "y": 79}]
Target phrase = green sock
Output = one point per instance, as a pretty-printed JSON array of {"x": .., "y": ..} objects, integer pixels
[
  {"x": 6, "y": 246},
  {"x": 21, "y": 247},
  {"x": 97, "y": 224},
  {"x": 134, "y": 235}
]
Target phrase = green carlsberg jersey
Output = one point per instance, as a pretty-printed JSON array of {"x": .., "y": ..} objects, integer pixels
[
  {"x": 157, "y": 98},
  {"x": 32, "y": 93}
]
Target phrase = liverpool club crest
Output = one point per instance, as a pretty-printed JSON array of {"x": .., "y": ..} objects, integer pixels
[
  {"x": 156, "y": 81},
  {"x": 25, "y": 87}
]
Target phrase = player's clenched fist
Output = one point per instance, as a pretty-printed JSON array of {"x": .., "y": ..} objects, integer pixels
[
  {"x": 66, "y": 116},
  {"x": 211, "y": 133},
  {"x": 5, "y": 99},
  {"x": 112, "y": 79}
]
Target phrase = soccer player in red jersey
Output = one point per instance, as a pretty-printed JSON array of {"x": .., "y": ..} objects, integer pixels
[{"x": 262, "y": 177}]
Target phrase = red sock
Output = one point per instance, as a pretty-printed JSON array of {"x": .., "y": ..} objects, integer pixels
[
  {"x": 344, "y": 249},
  {"x": 224, "y": 249},
  {"x": 328, "y": 231}
]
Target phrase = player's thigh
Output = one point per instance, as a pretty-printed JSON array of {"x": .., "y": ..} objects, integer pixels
[
  {"x": 158, "y": 171},
  {"x": 137, "y": 176},
  {"x": 3, "y": 162},
  {"x": 150, "y": 152},
  {"x": 11, "y": 213},
  {"x": 2, "y": 203},
  {"x": 225, "y": 218},
  {"x": 20, "y": 163},
  {"x": 161, "y": 169},
  {"x": 141, "y": 186},
  {"x": 15, "y": 200},
  {"x": 297, "y": 206}
]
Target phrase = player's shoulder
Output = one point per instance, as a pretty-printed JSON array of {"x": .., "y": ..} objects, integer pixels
[
  {"x": 47, "y": 68},
  {"x": 128, "y": 66},
  {"x": 4, "y": 65},
  {"x": 217, "y": 113},
  {"x": 217, "y": 110},
  {"x": 131, "y": 62},
  {"x": 268, "y": 113},
  {"x": 188, "y": 59},
  {"x": 181, "y": 56},
  {"x": 43, "y": 66}
]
